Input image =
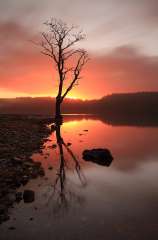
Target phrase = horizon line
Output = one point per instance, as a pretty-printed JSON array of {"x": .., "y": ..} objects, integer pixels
[{"x": 82, "y": 99}]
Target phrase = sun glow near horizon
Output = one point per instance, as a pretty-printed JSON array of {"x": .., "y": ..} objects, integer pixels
[{"x": 12, "y": 94}]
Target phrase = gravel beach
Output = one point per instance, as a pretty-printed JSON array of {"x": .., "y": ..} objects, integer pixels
[{"x": 20, "y": 137}]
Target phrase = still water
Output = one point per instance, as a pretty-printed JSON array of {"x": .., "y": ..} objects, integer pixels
[{"x": 89, "y": 201}]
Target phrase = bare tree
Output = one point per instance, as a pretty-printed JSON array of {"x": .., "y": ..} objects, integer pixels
[{"x": 57, "y": 43}]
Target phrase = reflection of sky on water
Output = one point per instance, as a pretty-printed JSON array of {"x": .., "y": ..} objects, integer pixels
[
  {"x": 130, "y": 146},
  {"x": 117, "y": 202}
]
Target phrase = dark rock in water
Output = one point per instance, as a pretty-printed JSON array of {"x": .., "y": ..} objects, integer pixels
[
  {"x": 52, "y": 127},
  {"x": 54, "y": 146},
  {"x": 41, "y": 172},
  {"x": 12, "y": 228},
  {"x": 50, "y": 168},
  {"x": 69, "y": 144},
  {"x": 100, "y": 156},
  {"x": 28, "y": 196}
]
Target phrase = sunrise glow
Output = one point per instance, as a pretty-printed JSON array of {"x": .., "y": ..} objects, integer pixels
[
  {"x": 78, "y": 119},
  {"x": 121, "y": 60}
]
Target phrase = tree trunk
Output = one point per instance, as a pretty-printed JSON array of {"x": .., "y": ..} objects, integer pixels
[{"x": 58, "y": 117}]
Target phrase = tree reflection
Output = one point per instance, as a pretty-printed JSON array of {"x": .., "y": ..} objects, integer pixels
[{"x": 62, "y": 194}]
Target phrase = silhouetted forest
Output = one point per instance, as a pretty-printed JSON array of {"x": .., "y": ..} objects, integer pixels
[
  {"x": 137, "y": 108},
  {"x": 129, "y": 103}
]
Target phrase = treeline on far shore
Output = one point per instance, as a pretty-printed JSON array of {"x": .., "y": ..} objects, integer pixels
[{"x": 131, "y": 106}]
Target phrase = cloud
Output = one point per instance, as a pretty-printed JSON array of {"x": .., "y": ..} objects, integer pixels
[
  {"x": 126, "y": 69},
  {"x": 24, "y": 69},
  {"x": 13, "y": 35}
]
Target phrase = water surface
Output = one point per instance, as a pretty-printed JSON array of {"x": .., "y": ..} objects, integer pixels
[{"x": 92, "y": 201}]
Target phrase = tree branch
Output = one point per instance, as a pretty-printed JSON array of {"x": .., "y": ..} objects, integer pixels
[{"x": 82, "y": 60}]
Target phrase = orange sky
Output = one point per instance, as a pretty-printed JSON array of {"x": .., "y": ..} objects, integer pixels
[
  {"x": 124, "y": 69},
  {"x": 124, "y": 57}
]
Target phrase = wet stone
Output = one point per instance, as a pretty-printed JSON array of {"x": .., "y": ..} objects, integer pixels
[
  {"x": 69, "y": 144},
  {"x": 99, "y": 156},
  {"x": 50, "y": 168},
  {"x": 54, "y": 146},
  {"x": 12, "y": 228},
  {"x": 20, "y": 137},
  {"x": 28, "y": 196}
]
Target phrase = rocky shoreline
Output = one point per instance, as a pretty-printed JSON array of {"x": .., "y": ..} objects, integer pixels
[{"x": 20, "y": 137}]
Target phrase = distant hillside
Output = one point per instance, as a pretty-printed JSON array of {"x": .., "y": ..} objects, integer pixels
[
  {"x": 129, "y": 104},
  {"x": 27, "y": 105},
  {"x": 41, "y": 105}
]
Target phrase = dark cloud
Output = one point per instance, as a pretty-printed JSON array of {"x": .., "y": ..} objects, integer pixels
[
  {"x": 11, "y": 31},
  {"x": 108, "y": 23},
  {"x": 151, "y": 9},
  {"x": 127, "y": 69},
  {"x": 12, "y": 38}
]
